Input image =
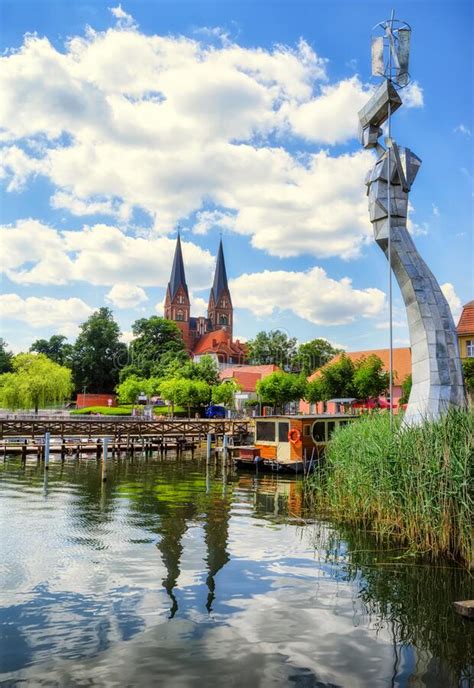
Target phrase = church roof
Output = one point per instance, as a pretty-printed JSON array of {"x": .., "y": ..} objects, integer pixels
[
  {"x": 218, "y": 341},
  {"x": 178, "y": 278},
  {"x": 220, "y": 276}
]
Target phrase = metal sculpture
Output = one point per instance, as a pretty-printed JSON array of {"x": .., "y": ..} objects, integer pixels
[{"x": 436, "y": 365}]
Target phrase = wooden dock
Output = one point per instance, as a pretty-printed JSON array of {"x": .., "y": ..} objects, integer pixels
[{"x": 85, "y": 436}]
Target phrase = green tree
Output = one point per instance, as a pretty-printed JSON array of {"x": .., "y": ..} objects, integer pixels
[
  {"x": 274, "y": 347},
  {"x": 370, "y": 378},
  {"x": 279, "y": 388},
  {"x": 55, "y": 348},
  {"x": 314, "y": 391},
  {"x": 35, "y": 381},
  {"x": 5, "y": 357},
  {"x": 225, "y": 393},
  {"x": 468, "y": 370},
  {"x": 206, "y": 369},
  {"x": 406, "y": 389},
  {"x": 130, "y": 389},
  {"x": 313, "y": 355},
  {"x": 337, "y": 379},
  {"x": 184, "y": 392},
  {"x": 98, "y": 353},
  {"x": 153, "y": 338},
  {"x": 171, "y": 364}
]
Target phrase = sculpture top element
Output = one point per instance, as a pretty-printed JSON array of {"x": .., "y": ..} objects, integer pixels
[{"x": 436, "y": 366}]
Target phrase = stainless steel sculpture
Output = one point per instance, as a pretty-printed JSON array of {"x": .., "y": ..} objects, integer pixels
[{"x": 436, "y": 365}]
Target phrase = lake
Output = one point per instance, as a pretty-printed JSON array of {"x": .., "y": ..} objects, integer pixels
[{"x": 170, "y": 574}]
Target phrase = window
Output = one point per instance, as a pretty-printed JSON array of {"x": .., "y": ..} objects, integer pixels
[
  {"x": 470, "y": 348},
  {"x": 180, "y": 299},
  {"x": 319, "y": 431},
  {"x": 265, "y": 431},
  {"x": 331, "y": 427},
  {"x": 224, "y": 303},
  {"x": 283, "y": 430},
  {"x": 179, "y": 315},
  {"x": 223, "y": 319}
]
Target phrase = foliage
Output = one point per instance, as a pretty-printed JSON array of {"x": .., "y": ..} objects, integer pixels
[
  {"x": 468, "y": 370},
  {"x": 337, "y": 380},
  {"x": 225, "y": 393},
  {"x": 5, "y": 357},
  {"x": 274, "y": 347},
  {"x": 313, "y": 355},
  {"x": 55, "y": 348},
  {"x": 129, "y": 390},
  {"x": 153, "y": 338},
  {"x": 184, "y": 392},
  {"x": 98, "y": 353},
  {"x": 206, "y": 369},
  {"x": 35, "y": 381},
  {"x": 171, "y": 364},
  {"x": 313, "y": 391},
  {"x": 414, "y": 483},
  {"x": 370, "y": 379},
  {"x": 406, "y": 389},
  {"x": 103, "y": 411},
  {"x": 280, "y": 388}
]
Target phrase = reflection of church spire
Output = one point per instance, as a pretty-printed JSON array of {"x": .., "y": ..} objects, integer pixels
[
  {"x": 173, "y": 527},
  {"x": 216, "y": 528}
]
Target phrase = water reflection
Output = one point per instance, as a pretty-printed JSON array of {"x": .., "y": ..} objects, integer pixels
[{"x": 176, "y": 572}]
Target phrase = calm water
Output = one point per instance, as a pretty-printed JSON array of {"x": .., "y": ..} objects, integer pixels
[{"x": 168, "y": 576}]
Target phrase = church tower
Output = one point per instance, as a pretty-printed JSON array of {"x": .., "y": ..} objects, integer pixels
[
  {"x": 219, "y": 310},
  {"x": 177, "y": 304}
]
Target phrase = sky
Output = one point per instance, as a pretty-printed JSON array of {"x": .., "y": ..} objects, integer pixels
[{"x": 120, "y": 123}]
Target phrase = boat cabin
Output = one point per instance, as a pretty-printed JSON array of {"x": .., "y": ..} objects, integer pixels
[{"x": 292, "y": 441}]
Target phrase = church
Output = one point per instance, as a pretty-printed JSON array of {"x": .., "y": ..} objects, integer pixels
[{"x": 211, "y": 335}]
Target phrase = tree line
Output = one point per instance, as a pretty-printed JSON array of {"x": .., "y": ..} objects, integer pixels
[{"x": 156, "y": 363}]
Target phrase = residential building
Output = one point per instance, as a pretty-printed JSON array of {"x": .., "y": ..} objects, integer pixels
[
  {"x": 465, "y": 330},
  {"x": 247, "y": 376}
]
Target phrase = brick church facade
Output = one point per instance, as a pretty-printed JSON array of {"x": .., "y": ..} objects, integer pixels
[{"x": 211, "y": 335}]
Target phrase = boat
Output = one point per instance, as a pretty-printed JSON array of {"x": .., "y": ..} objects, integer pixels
[{"x": 290, "y": 443}]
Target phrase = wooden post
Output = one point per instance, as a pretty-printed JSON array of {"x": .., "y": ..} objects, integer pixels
[
  {"x": 208, "y": 447},
  {"x": 47, "y": 437},
  {"x": 63, "y": 450},
  {"x": 225, "y": 451},
  {"x": 104, "y": 459},
  {"x": 23, "y": 451}
]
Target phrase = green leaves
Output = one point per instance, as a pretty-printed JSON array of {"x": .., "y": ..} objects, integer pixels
[
  {"x": 280, "y": 388},
  {"x": 35, "y": 381}
]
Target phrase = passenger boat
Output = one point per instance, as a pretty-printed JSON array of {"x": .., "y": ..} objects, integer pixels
[{"x": 290, "y": 443}]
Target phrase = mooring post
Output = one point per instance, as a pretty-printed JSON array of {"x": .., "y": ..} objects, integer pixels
[
  {"x": 47, "y": 437},
  {"x": 104, "y": 459},
  {"x": 208, "y": 447},
  {"x": 225, "y": 449}
]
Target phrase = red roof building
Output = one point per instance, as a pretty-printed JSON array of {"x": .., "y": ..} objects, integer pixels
[{"x": 465, "y": 330}]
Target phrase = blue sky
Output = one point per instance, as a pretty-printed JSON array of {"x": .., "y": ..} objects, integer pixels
[{"x": 121, "y": 122}]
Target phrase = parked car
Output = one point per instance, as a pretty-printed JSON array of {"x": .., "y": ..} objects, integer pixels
[{"x": 215, "y": 412}]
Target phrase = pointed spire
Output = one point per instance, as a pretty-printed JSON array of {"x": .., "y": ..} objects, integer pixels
[
  {"x": 178, "y": 278},
  {"x": 220, "y": 276}
]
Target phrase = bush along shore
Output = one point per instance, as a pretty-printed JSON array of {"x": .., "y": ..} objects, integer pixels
[{"x": 414, "y": 484}]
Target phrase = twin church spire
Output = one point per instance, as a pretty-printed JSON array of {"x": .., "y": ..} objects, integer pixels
[{"x": 178, "y": 305}]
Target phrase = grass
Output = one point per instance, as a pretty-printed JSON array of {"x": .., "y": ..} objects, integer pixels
[
  {"x": 125, "y": 410},
  {"x": 414, "y": 484}
]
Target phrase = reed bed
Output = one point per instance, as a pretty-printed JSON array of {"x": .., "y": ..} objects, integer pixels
[{"x": 413, "y": 483}]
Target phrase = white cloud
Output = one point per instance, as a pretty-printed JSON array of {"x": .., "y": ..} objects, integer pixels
[
  {"x": 173, "y": 126},
  {"x": 311, "y": 295},
  {"x": 453, "y": 300},
  {"x": 462, "y": 129},
  {"x": 412, "y": 95},
  {"x": 331, "y": 117},
  {"x": 435, "y": 209},
  {"x": 100, "y": 255},
  {"x": 126, "y": 296},
  {"x": 124, "y": 20},
  {"x": 127, "y": 336},
  {"x": 62, "y": 314}
]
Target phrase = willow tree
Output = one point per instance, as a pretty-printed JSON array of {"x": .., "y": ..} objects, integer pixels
[{"x": 35, "y": 381}]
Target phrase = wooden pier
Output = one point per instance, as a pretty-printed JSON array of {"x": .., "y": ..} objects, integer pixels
[{"x": 85, "y": 436}]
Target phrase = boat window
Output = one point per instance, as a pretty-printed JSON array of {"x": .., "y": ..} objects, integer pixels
[
  {"x": 265, "y": 431},
  {"x": 331, "y": 427},
  {"x": 342, "y": 423},
  {"x": 319, "y": 434},
  {"x": 306, "y": 429},
  {"x": 283, "y": 430}
]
